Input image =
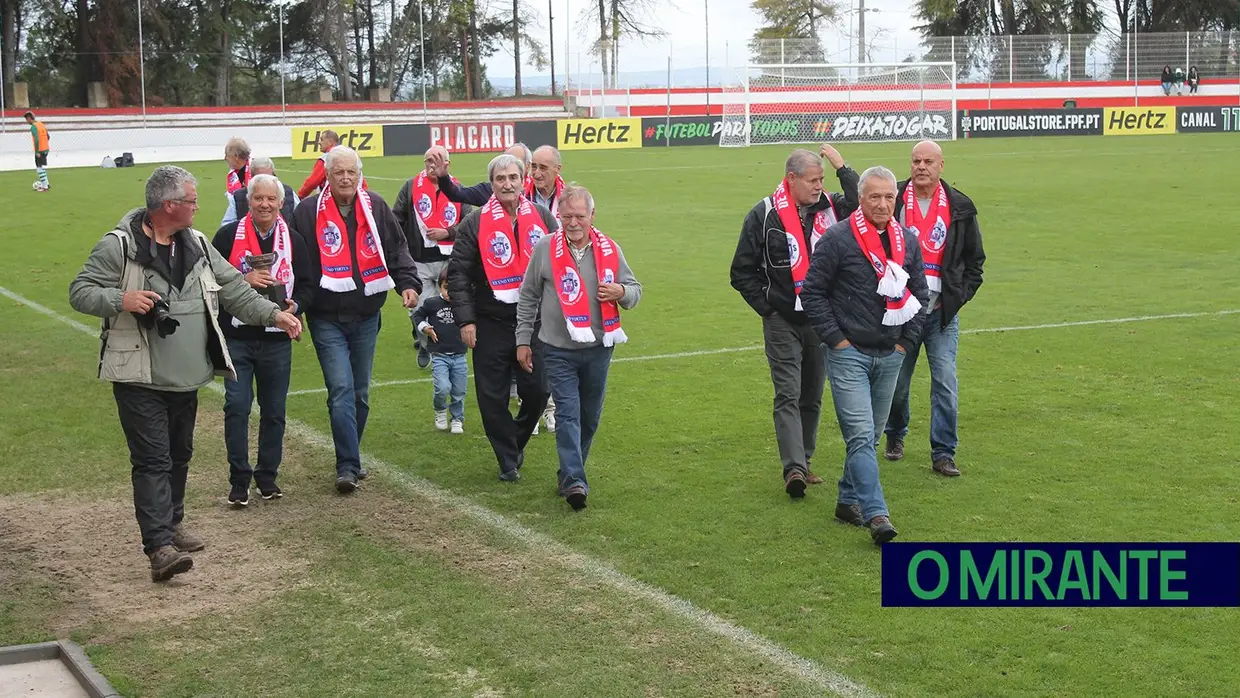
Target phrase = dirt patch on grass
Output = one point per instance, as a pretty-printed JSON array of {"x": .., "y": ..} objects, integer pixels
[{"x": 90, "y": 550}]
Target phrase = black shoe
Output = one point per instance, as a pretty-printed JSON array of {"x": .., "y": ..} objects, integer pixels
[
  {"x": 576, "y": 496},
  {"x": 946, "y": 467},
  {"x": 345, "y": 484},
  {"x": 239, "y": 496},
  {"x": 271, "y": 491},
  {"x": 849, "y": 514},
  {"x": 794, "y": 484},
  {"x": 510, "y": 475},
  {"x": 881, "y": 530},
  {"x": 895, "y": 448},
  {"x": 362, "y": 474},
  {"x": 424, "y": 358}
]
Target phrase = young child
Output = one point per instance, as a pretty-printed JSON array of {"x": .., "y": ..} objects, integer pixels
[{"x": 448, "y": 368}]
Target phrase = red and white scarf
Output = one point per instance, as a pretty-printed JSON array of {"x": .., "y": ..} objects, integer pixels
[
  {"x": 573, "y": 293},
  {"x": 245, "y": 245},
  {"x": 798, "y": 252},
  {"x": 433, "y": 211},
  {"x": 931, "y": 231},
  {"x": 335, "y": 247},
  {"x": 237, "y": 181},
  {"x": 902, "y": 306},
  {"x": 504, "y": 259},
  {"x": 530, "y": 188}
]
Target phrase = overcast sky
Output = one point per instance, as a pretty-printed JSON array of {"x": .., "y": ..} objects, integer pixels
[{"x": 889, "y": 24}]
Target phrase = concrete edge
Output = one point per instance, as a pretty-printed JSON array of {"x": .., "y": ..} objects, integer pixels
[
  {"x": 75, "y": 659},
  {"x": 21, "y": 654}
]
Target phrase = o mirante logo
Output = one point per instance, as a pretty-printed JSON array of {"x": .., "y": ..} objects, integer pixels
[{"x": 1061, "y": 574}]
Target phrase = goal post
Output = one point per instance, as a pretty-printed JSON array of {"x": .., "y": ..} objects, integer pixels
[{"x": 840, "y": 102}]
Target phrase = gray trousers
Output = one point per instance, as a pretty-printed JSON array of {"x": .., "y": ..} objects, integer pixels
[
  {"x": 428, "y": 274},
  {"x": 798, "y": 374}
]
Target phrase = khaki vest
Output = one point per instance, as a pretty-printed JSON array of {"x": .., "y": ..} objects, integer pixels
[{"x": 125, "y": 351}]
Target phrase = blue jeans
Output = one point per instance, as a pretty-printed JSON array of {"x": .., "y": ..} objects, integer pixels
[
  {"x": 861, "y": 387},
  {"x": 346, "y": 353},
  {"x": 578, "y": 379},
  {"x": 450, "y": 373},
  {"x": 266, "y": 363},
  {"x": 941, "y": 344}
]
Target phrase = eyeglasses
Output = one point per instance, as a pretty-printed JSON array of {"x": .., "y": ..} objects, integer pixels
[{"x": 191, "y": 202}]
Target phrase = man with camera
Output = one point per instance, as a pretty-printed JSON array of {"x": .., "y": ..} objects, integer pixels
[{"x": 159, "y": 285}]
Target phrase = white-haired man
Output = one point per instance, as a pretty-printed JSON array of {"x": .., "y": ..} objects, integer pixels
[
  {"x": 768, "y": 269},
  {"x": 261, "y": 356},
  {"x": 577, "y": 282},
  {"x": 863, "y": 294},
  {"x": 492, "y": 252},
  {"x": 945, "y": 223},
  {"x": 157, "y": 283},
  {"x": 239, "y": 201},
  {"x": 358, "y": 252},
  {"x": 545, "y": 185},
  {"x": 429, "y": 220}
]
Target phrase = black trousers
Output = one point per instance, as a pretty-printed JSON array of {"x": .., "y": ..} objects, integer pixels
[
  {"x": 495, "y": 364},
  {"x": 159, "y": 427}
]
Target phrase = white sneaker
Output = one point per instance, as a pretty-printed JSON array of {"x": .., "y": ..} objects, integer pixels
[
  {"x": 441, "y": 420},
  {"x": 549, "y": 417},
  {"x": 458, "y": 427},
  {"x": 535, "y": 432}
]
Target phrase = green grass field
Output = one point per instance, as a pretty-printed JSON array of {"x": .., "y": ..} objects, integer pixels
[{"x": 412, "y": 587}]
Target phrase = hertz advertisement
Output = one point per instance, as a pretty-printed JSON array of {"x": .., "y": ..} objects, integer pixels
[
  {"x": 366, "y": 139},
  {"x": 1137, "y": 121},
  {"x": 596, "y": 134}
]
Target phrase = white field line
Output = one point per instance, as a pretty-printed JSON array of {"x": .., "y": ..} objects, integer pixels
[
  {"x": 755, "y": 347},
  {"x": 805, "y": 669}
]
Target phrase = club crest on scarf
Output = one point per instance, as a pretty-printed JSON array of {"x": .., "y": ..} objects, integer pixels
[
  {"x": 794, "y": 250},
  {"x": 609, "y": 277},
  {"x": 332, "y": 238},
  {"x": 536, "y": 234},
  {"x": 501, "y": 247},
  {"x": 570, "y": 285},
  {"x": 369, "y": 248},
  {"x": 938, "y": 235},
  {"x": 424, "y": 205},
  {"x": 449, "y": 215}
]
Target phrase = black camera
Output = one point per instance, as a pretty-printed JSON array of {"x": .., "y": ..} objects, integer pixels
[{"x": 160, "y": 319}]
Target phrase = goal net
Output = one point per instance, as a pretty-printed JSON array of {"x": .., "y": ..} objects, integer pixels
[{"x": 840, "y": 102}]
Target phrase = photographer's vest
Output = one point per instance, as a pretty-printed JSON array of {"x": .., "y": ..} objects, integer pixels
[{"x": 125, "y": 348}]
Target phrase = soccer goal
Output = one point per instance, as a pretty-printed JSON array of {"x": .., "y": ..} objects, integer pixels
[{"x": 840, "y": 102}]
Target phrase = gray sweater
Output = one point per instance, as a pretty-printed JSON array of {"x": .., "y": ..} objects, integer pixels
[{"x": 539, "y": 290}]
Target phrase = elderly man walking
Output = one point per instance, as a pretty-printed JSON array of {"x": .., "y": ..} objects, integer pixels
[
  {"x": 358, "y": 252},
  {"x": 158, "y": 285},
  {"x": 492, "y": 252},
  {"x": 545, "y": 186},
  {"x": 261, "y": 356},
  {"x": 239, "y": 201},
  {"x": 577, "y": 281},
  {"x": 429, "y": 221},
  {"x": 768, "y": 269},
  {"x": 944, "y": 221},
  {"x": 863, "y": 295}
]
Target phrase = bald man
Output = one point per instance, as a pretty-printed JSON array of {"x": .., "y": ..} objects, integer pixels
[
  {"x": 945, "y": 223},
  {"x": 544, "y": 185},
  {"x": 480, "y": 193},
  {"x": 429, "y": 220}
]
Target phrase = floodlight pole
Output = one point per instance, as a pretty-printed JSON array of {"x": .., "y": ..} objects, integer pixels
[
  {"x": 706, "y": 4},
  {"x": 283, "y": 101},
  {"x": 422, "y": 50}
]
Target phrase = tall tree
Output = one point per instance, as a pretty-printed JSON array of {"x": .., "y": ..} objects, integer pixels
[
  {"x": 516, "y": 45},
  {"x": 617, "y": 20},
  {"x": 792, "y": 19}
]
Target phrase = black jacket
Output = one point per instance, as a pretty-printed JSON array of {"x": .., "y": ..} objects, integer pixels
[
  {"x": 241, "y": 203},
  {"x": 437, "y": 312},
  {"x": 841, "y": 298},
  {"x": 963, "y": 255},
  {"x": 468, "y": 287},
  {"x": 355, "y": 304},
  {"x": 761, "y": 268},
  {"x": 304, "y": 280},
  {"x": 477, "y": 195},
  {"x": 408, "y": 220}
]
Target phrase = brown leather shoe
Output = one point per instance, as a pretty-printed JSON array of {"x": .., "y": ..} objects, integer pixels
[
  {"x": 895, "y": 448},
  {"x": 813, "y": 479},
  {"x": 946, "y": 467},
  {"x": 881, "y": 530},
  {"x": 167, "y": 562},
  {"x": 849, "y": 514},
  {"x": 794, "y": 484},
  {"x": 186, "y": 542}
]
